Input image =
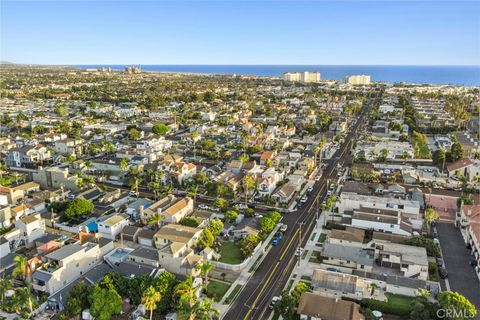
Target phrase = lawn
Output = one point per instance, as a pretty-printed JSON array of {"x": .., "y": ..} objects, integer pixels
[
  {"x": 322, "y": 238},
  {"x": 396, "y": 305},
  {"x": 217, "y": 289},
  {"x": 230, "y": 253},
  {"x": 233, "y": 294}
]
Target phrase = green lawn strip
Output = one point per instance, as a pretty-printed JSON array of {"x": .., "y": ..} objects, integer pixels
[
  {"x": 233, "y": 294},
  {"x": 322, "y": 238},
  {"x": 396, "y": 305},
  {"x": 217, "y": 289},
  {"x": 230, "y": 253},
  {"x": 255, "y": 264}
]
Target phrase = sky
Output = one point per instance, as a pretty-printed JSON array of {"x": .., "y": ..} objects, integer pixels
[{"x": 234, "y": 32}]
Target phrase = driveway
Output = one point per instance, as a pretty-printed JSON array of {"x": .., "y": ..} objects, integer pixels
[{"x": 461, "y": 276}]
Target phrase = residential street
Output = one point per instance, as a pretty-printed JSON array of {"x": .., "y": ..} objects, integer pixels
[
  {"x": 461, "y": 276},
  {"x": 274, "y": 271}
]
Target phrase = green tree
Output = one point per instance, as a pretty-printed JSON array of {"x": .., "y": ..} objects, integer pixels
[
  {"x": 5, "y": 285},
  {"x": 150, "y": 299},
  {"x": 22, "y": 268},
  {"x": 190, "y": 221},
  {"x": 215, "y": 226},
  {"x": 248, "y": 244},
  {"x": 124, "y": 163},
  {"x": 206, "y": 311},
  {"x": 459, "y": 306},
  {"x": 61, "y": 110},
  {"x": 205, "y": 240},
  {"x": 104, "y": 302},
  {"x": 220, "y": 203},
  {"x": 78, "y": 299},
  {"x": 160, "y": 129},
  {"x": 231, "y": 216},
  {"x": 185, "y": 297},
  {"x": 78, "y": 207},
  {"x": 431, "y": 215},
  {"x": 456, "y": 152},
  {"x": 134, "y": 134}
]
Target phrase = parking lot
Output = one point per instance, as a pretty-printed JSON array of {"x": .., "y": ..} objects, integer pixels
[{"x": 461, "y": 275}]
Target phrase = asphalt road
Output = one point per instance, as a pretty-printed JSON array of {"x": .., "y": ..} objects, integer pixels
[
  {"x": 461, "y": 275},
  {"x": 275, "y": 269}
]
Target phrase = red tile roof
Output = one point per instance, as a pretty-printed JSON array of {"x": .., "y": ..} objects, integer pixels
[{"x": 462, "y": 163}]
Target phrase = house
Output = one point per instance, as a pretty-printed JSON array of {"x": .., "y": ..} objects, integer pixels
[
  {"x": 4, "y": 247},
  {"x": 31, "y": 228},
  {"x": 157, "y": 208},
  {"x": 338, "y": 285},
  {"x": 267, "y": 156},
  {"x": 235, "y": 166},
  {"x": 64, "y": 265},
  {"x": 313, "y": 306},
  {"x": 130, "y": 233},
  {"x": 69, "y": 146},
  {"x": 110, "y": 226},
  {"x": 146, "y": 256},
  {"x": 5, "y": 216},
  {"x": 411, "y": 261},
  {"x": 464, "y": 218},
  {"x": 178, "y": 210},
  {"x": 350, "y": 236},
  {"x": 285, "y": 193},
  {"x": 145, "y": 237},
  {"x": 27, "y": 156},
  {"x": 266, "y": 186},
  {"x": 176, "y": 233},
  {"x": 55, "y": 177},
  {"x": 347, "y": 257},
  {"x": 12, "y": 195},
  {"x": 459, "y": 167},
  {"x": 184, "y": 171},
  {"x": 245, "y": 228}
]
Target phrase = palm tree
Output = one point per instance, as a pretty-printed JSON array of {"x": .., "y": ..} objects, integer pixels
[
  {"x": 22, "y": 298},
  {"x": 204, "y": 267},
  {"x": 373, "y": 286},
  {"x": 155, "y": 186},
  {"x": 185, "y": 292},
  {"x": 150, "y": 299},
  {"x": 156, "y": 219},
  {"x": 22, "y": 268},
  {"x": 372, "y": 154},
  {"x": 5, "y": 285},
  {"x": 194, "y": 136},
  {"x": 248, "y": 183},
  {"x": 206, "y": 311},
  {"x": 193, "y": 193}
]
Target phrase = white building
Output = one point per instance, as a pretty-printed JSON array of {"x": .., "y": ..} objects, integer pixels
[
  {"x": 111, "y": 226},
  {"x": 357, "y": 80},
  {"x": 302, "y": 76}
]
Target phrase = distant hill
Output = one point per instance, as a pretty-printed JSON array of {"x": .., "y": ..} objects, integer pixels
[{"x": 6, "y": 62}]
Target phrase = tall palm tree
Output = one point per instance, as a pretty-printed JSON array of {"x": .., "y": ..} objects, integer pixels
[
  {"x": 150, "y": 299},
  {"x": 185, "y": 293},
  {"x": 248, "y": 183},
  {"x": 156, "y": 220},
  {"x": 155, "y": 185},
  {"x": 22, "y": 298},
  {"x": 206, "y": 311},
  {"x": 204, "y": 267},
  {"x": 194, "y": 135}
]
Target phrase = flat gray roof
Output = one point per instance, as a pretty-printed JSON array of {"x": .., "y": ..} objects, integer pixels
[
  {"x": 355, "y": 254},
  {"x": 64, "y": 251}
]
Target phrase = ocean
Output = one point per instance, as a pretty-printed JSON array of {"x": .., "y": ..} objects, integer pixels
[{"x": 456, "y": 75}]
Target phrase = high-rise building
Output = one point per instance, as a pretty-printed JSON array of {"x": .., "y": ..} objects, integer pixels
[
  {"x": 358, "y": 80},
  {"x": 302, "y": 76}
]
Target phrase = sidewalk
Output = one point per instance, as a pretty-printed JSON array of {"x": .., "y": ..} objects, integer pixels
[{"x": 246, "y": 274}]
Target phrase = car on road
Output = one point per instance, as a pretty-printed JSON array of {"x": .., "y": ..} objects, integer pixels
[
  {"x": 310, "y": 189},
  {"x": 71, "y": 196},
  {"x": 443, "y": 272},
  {"x": 133, "y": 193},
  {"x": 275, "y": 241},
  {"x": 304, "y": 199},
  {"x": 332, "y": 269},
  {"x": 279, "y": 235},
  {"x": 439, "y": 262},
  {"x": 257, "y": 215},
  {"x": 329, "y": 192},
  {"x": 299, "y": 252},
  {"x": 283, "y": 227},
  {"x": 203, "y": 206},
  {"x": 275, "y": 299}
]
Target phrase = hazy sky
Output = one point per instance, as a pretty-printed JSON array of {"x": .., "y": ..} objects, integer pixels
[{"x": 228, "y": 32}]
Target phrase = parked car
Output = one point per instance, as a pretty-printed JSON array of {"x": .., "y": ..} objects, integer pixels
[
  {"x": 283, "y": 227},
  {"x": 279, "y": 235},
  {"x": 257, "y": 215},
  {"x": 443, "y": 272},
  {"x": 439, "y": 262},
  {"x": 275, "y": 241},
  {"x": 332, "y": 269},
  {"x": 275, "y": 299},
  {"x": 133, "y": 193},
  {"x": 304, "y": 199},
  {"x": 310, "y": 189},
  {"x": 329, "y": 192},
  {"x": 299, "y": 252},
  {"x": 71, "y": 196}
]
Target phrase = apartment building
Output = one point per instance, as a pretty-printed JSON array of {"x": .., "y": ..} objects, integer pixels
[
  {"x": 68, "y": 263},
  {"x": 302, "y": 76},
  {"x": 55, "y": 178},
  {"x": 410, "y": 261},
  {"x": 357, "y": 80}
]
